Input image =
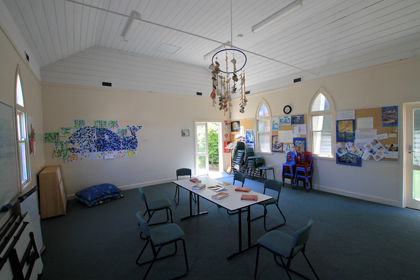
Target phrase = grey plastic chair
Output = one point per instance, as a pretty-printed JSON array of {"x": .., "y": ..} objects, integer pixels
[
  {"x": 180, "y": 172},
  {"x": 156, "y": 205},
  {"x": 284, "y": 246},
  {"x": 276, "y": 186},
  {"x": 159, "y": 237}
]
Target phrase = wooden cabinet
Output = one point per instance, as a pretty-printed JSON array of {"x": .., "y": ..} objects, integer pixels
[{"x": 52, "y": 193}]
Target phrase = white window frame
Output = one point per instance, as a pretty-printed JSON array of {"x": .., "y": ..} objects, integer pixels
[
  {"x": 322, "y": 113},
  {"x": 257, "y": 132},
  {"x": 22, "y": 135}
]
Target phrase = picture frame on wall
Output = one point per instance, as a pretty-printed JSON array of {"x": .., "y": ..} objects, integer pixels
[
  {"x": 298, "y": 119},
  {"x": 235, "y": 126},
  {"x": 299, "y": 144},
  {"x": 349, "y": 159},
  {"x": 185, "y": 132},
  {"x": 345, "y": 131},
  {"x": 389, "y": 116},
  {"x": 277, "y": 146}
]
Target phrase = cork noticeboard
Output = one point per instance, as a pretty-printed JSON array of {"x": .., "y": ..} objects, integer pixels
[
  {"x": 392, "y": 131},
  {"x": 247, "y": 124},
  {"x": 287, "y": 128}
]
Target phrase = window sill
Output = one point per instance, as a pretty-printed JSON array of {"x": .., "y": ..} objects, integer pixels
[{"x": 318, "y": 157}]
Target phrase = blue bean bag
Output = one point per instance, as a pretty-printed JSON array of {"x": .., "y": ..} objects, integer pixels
[{"x": 99, "y": 194}]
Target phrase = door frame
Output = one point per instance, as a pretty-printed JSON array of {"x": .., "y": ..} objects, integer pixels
[
  {"x": 407, "y": 156},
  {"x": 221, "y": 155}
]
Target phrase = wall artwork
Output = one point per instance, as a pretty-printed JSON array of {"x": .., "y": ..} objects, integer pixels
[
  {"x": 31, "y": 136},
  {"x": 95, "y": 142},
  {"x": 235, "y": 126},
  {"x": 50, "y": 137},
  {"x": 79, "y": 124},
  {"x": 277, "y": 146},
  {"x": 287, "y": 120},
  {"x": 390, "y": 116},
  {"x": 345, "y": 131},
  {"x": 249, "y": 138},
  {"x": 298, "y": 119},
  {"x": 65, "y": 131},
  {"x": 275, "y": 123},
  {"x": 299, "y": 144}
]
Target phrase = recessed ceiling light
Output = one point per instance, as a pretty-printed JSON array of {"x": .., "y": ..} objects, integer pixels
[{"x": 168, "y": 48}]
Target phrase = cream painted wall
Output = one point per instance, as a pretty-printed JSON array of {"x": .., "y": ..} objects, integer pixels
[
  {"x": 385, "y": 85},
  {"x": 161, "y": 149},
  {"x": 10, "y": 58}
]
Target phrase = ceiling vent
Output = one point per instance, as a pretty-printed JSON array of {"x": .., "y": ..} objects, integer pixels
[
  {"x": 106, "y": 84},
  {"x": 297, "y": 80},
  {"x": 199, "y": 93}
]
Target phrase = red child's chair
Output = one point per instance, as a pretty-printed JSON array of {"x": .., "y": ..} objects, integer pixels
[
  {"x": 289, "y": 167},
  {"x": 304, "y": 169}
]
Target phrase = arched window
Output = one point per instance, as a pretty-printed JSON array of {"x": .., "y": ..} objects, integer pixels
[
  {"x": 321, "y": 124},
  {"x": 263, "y": 128},
  {"x": 22, "y": 134}
]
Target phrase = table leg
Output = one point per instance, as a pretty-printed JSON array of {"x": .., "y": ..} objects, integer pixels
[
  {"x": 198, "y": 208},
  {"x": 240, "y": 233}
]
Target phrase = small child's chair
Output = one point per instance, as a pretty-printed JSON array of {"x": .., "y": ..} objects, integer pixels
[
  {"x": 289, "y": 167},
  {"x": 304, "y": 169}
]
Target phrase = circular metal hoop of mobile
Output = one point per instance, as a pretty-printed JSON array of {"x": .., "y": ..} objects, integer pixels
[{"x": 241, "y": 56}]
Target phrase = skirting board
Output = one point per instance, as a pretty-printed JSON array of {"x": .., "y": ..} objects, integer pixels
[{"x": 376, "y": 199}]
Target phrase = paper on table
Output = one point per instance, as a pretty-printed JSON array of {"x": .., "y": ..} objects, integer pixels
[
  {"x": 365, "y": 123},
  {"x": 366, "y": 133},
  {"x": 345, "y": 115},
  {"x": 285, "y": 136}
]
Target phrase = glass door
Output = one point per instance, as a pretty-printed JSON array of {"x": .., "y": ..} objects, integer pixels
[
  {"x": 412, "y": 156},
  {"x": 208, "y": 147}
]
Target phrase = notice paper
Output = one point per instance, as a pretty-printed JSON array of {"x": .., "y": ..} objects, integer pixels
[
  {"x": 365, "y": 133},
  {"x": 382, "y": 136},
  {"x": 299, "y": 129},
  {"x": 364, "y": 123},
  {"x": 345, "y": 115},
  {"x": 285, "y": 136}
]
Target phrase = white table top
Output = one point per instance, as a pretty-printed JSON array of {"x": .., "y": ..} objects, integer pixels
[{"x": 232, "y": 202}]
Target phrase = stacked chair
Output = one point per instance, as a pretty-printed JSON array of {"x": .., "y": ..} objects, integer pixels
[
  {"x": 289, "y": 167},
  {"x": 238, "y": 157},
  {"x": 304, "y": 169},
  {"x": 262, "y": 169}
]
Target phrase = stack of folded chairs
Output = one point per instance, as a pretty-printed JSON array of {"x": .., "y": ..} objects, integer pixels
[{"x": 238, "y": 157}]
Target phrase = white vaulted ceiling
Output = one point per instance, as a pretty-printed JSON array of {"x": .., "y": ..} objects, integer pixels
[{"x": 321, "y": 38}]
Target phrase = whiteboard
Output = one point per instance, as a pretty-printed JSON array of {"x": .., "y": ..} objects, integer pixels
[{"x": 9, "y": 182}]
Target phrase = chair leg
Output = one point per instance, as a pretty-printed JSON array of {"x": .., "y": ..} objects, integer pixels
[
  {"x": 176, "y": 193},
  {"x": 155, "y": 258},
  {"x": 288, "y": 269},
  {"x": 265, "y": 218},
  {"x": 186, "y": 261},
  {"x": 313, "y": 270},
  {"x": 256, "y": 262}
]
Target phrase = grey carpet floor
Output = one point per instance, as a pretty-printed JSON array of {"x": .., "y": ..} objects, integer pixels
[{"x": 350, "y": 239}]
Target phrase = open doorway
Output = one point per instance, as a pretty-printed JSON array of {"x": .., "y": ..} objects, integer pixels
[
  {"x": 208, "y": 147},
  {"x": 412, "y": 156}
]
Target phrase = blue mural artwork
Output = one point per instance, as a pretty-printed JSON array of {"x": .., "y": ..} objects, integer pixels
[{"x": 92, "y": 139}]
